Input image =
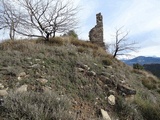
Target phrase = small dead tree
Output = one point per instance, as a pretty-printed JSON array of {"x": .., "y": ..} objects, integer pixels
[
  {"x": 45, "y": 18},
  {"x": 121, "y": 45},
  {"x": 9, "y": 17}
]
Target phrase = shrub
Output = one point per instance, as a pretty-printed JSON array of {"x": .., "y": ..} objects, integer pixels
[
  {"x": 36, "y": 106},
  {"x": 57, "y": 41},
  {"x": 71, "y": 33},
  {"x": 82, "y": 49},
  {"x": 123, "y": 109},
  {"x": 138, "y": 66},
  {"x": 18, "y": 45},
  {"x": 149, "y": 82},
  {"x": 83, "y": 44},
  {"x": 149, "y": 111},
  {"x": 107, "y": 61},
  {"x": 100, "y": 52}
]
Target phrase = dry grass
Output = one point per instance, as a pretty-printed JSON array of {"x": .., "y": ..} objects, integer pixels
[
  {"x": 149, "y": 82},
  {"x": 57, "y": 60},
  {"x": 83, "y": 44},
  {"x": 149, "y": 111},
  {"x": 36, "y": 106}
]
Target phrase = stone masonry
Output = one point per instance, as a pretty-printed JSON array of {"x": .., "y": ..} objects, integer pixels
[{"x": 96, "y": 33}]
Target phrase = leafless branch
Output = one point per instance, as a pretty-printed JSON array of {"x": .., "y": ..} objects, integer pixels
[
  {"x": 121, "y": 45},
  {"x": 39, "y": 18}
]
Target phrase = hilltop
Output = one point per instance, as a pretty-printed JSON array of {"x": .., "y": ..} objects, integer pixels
[{"x": 70, "y": 79}]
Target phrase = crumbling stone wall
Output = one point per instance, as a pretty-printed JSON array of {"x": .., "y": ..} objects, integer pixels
[{"x": 96, "y": 33}]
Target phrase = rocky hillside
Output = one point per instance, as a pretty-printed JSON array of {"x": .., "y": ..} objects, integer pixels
[{"x": 70, "y": 79}]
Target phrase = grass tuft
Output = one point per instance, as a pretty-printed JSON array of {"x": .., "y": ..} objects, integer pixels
[{"x": 36, "y": 106}]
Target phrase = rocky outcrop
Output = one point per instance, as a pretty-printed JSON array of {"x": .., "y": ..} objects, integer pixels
[
  {"x": 124, "y": 89},
  {"x": 96, "y": 33}
]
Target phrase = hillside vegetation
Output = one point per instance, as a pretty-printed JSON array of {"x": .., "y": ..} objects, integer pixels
[
  {"x": 153, "y": 68},
  {"x": 70, "y": 79}
]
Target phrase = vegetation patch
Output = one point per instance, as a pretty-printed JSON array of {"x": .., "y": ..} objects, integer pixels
[
  {"x": 36, "y": 106},
  {"x": 149, "y": 111}
]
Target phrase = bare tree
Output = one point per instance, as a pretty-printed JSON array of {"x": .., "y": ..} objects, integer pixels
[
  {"x": 121, "y": 45},
  {"x": 45, "y": 18},
  {"x": 9, "y": 17}
]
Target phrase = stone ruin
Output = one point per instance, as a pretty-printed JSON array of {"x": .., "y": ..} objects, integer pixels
[{"x": 96, "y": 33}]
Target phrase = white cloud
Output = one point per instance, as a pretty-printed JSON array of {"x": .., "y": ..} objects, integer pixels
[
  {"x": 147, "y": 51},
  {"x": 141, "y": 18}
]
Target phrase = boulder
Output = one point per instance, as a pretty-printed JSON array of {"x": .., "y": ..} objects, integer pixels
[
  {"x": 35, "y": 66},
  {"x": 106, "y": 80},
  {"x": 105, "y": 115},
  {"x": 1, "y": 86},
  {"x": 126, "y": 89},
  {"x": 42, "y": 81},
  {"x": 91, "y": 73},
  {"x": 3, "y": 92},
  {"x": 110, "y": 67},
  {"x": 22, "y": 74},
  {"x": 111, "y": 100},
  {"x": 81, "y": 70},
  {"x": 47, "y": 89},
  {"x": 81, "y": 65},
  {"x": 21, "y": 89},
  {"x": 1, "y": 103}
]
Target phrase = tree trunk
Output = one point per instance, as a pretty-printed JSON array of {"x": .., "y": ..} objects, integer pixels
[
  {"x": 47, "y": 37},
  {"x": 115, "y": 53},
  {"x": 12, "y": 32}
]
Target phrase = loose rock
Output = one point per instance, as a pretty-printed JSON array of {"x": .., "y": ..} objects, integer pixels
[
  {"x": 111, "y": 100},
  {"x": 81, "y": 65},
  {"x": 43, "y": 81},
  {"x": 126, "y": 89},
  {"x": 22, "y": 74},
  {"x": 105, "y": 115},
  {"x": 81, "y": 70},
  {"x": 3, "y": 92},
  {"x": 47, "y": 89},
  {"x": 91, "y": 73},
  {"x": 1, "y": 86},
  {"x": 21, "y": 89}
]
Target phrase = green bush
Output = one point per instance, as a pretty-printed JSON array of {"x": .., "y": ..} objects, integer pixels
[
  {"x": 36, "y": 106},
  {"x": 107, "y": 61},
  {"x": 138, "y": 66},
  {"x": 71, "y": 33}
]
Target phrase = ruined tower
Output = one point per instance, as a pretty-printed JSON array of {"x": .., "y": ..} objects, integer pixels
[{"x": 96, "y": 33}]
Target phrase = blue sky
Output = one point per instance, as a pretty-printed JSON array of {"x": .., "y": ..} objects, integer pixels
[{"x": 140, "y": 17}]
